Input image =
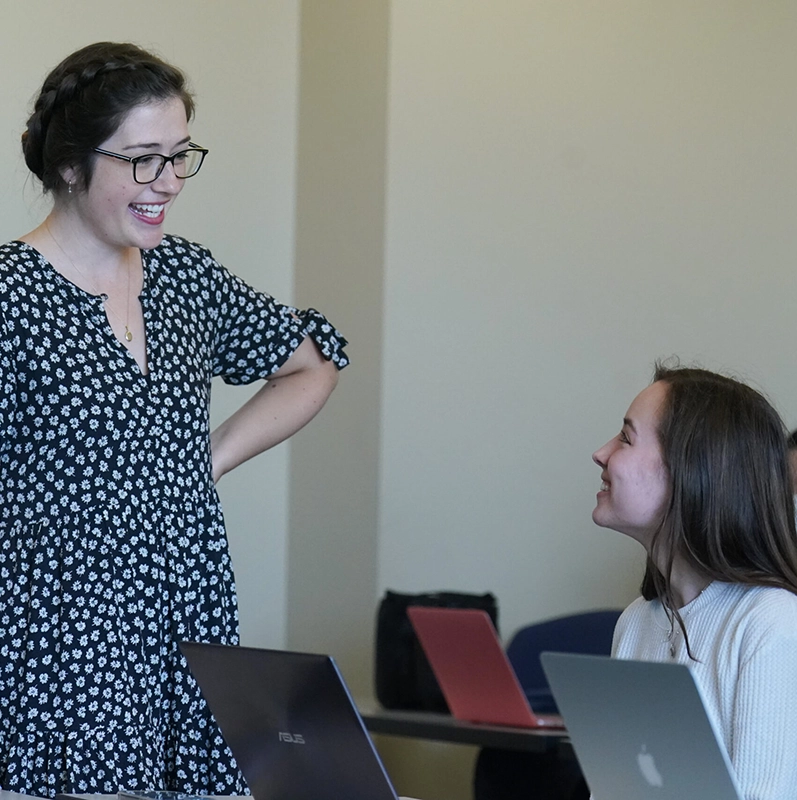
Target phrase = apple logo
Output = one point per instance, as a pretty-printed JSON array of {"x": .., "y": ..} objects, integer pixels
[{"x": 647, "y": 766}]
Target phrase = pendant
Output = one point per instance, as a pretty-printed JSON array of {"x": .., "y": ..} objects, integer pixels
[
  {"x": 671, "y": 637},
  {"x": 128, "y": 335}
]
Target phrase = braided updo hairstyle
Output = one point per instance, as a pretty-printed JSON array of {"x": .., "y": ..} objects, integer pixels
[{"x": 83, "y": 102}]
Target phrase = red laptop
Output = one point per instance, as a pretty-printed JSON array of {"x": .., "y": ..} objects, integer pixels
[{"x": 470, "y": 665}]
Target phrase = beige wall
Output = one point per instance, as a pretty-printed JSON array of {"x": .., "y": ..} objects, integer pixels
[
  {"x": 332, "y": 567},
  {"x": 574, "y": 189},
  {"x": 511, "y": 209}
]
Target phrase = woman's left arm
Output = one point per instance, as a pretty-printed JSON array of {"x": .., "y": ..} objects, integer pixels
[
  {"x": 764, "y": 738},
  {"x": 291, "y": 397}
]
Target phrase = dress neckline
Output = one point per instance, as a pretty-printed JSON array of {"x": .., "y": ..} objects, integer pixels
[
  {"x": 84, "y": 294},
  {"x": 71, "y": 284}
]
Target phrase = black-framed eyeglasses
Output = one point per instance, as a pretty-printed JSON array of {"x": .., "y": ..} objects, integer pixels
[{"x": 147, "y": 168}]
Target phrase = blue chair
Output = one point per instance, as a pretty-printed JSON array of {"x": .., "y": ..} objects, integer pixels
[
  {"x": 516, "y": 775},
  {"x": 589, "y": 632}
]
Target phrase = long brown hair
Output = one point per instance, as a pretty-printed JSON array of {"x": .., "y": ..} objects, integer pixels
[{"x": 731, "y": 513}]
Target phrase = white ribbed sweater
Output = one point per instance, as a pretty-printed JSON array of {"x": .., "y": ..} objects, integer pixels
[{"x": 745, "y": 638}]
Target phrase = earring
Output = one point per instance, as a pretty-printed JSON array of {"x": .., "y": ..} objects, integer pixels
[{"x": 69, "y": 188}]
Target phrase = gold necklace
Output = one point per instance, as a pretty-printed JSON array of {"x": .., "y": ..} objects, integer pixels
[{"x": 128, "y": 333}]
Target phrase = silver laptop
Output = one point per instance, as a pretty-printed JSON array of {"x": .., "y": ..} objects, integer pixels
[
  {"x": 640, "y": 729},
  {"x": 290, "y": 722}
]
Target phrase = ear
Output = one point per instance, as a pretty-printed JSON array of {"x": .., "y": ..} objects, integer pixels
[{"x": 69, "y": 176}]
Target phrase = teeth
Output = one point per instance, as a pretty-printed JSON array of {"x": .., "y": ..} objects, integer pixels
[
  {"x": 148, "y": 210},
  {"x": 604, "y": 486}
]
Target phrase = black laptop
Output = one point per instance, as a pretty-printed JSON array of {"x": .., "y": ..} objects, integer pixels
[{"x": 290, "y": 722}]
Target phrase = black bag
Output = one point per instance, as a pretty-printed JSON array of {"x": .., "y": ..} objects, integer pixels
[{"x": 403, "y": 677}]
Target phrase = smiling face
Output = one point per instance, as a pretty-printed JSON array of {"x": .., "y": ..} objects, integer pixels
[
  {"x": 635, "y": 485},
  {"x": 115, "y": 209}
]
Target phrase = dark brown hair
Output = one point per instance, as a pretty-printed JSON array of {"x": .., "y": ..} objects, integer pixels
[
  {"x": 731, "y": 513},
  {"x": 84, "y": 100}
]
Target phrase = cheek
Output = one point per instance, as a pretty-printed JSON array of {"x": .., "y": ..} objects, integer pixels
[
  {"x": 643, "y": 483},
  {"x": 654, "y": 489},
  {"x": 103, "y": 198}
]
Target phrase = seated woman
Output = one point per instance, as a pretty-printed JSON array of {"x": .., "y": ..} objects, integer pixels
[{"x": 699, "y": 476}]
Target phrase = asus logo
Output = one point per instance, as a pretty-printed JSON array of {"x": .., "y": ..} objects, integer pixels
[{"x": 293, "y": 738}]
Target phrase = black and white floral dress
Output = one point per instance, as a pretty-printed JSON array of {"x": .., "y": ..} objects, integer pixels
[{"x": 112, "y": 541}]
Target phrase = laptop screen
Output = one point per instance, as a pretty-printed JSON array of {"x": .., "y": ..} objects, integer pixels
[
  {"x": 471, "y": 666},
  {"x": 640, "y": 729},
  {"x": 290, "y": 722}
]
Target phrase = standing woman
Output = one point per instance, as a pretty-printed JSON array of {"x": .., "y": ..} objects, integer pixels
[
  {"x": 112, "y": 541},
  {"x": 699, "y": 475}
]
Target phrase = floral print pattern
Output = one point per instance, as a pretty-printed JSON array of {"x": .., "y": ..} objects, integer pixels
[{"x": 112, "y": 540}]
